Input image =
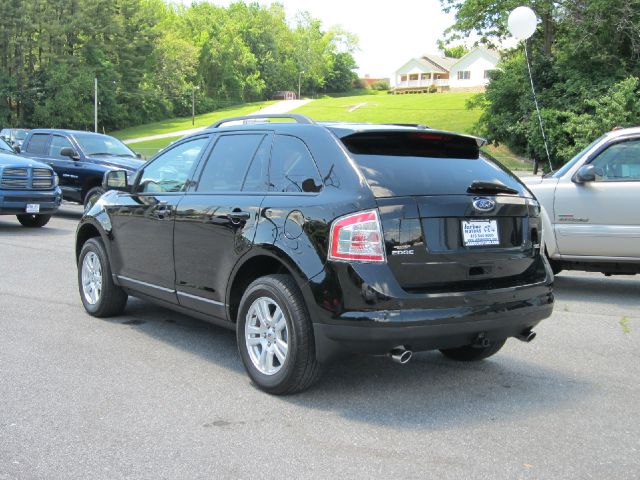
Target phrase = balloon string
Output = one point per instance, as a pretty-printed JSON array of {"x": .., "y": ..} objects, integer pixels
[{"x": 535, "y": 100}]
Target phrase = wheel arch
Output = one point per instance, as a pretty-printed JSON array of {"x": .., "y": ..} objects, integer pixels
[
  {"x": 262, "y": 262},
  {"x": 86, "y": 231}
]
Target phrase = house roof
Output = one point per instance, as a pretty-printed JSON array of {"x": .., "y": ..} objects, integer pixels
[
  {"x": 439, "y": 64},
  {"x": 442, "y": 63}
]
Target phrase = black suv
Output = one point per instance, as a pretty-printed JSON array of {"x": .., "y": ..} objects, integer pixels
[
  {"x": 80, "y": 159},
  {"x": 315, "y": 240}
]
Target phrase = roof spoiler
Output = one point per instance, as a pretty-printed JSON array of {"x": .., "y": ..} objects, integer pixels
[{"x": 245, "y": 119}]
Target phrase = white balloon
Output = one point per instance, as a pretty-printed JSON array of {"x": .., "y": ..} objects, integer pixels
[{"x": 522, "y": 23}]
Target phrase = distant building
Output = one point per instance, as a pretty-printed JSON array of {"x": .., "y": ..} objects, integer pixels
[
  {"x": 367, "y": 81},
  {"x": 433, "y": 72}
]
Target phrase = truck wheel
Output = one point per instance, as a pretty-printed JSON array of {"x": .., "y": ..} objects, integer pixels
[
  {"x": 100, "y": 296},
  {"x": 32, "y": 220},
  {"x": 275, "y": 337},
  {"x": 469, "y": 353},
  {"x": 92, "y": 197}
]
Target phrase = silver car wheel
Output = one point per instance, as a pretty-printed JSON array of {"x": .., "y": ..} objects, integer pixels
[
  {"x": 91, "y": 278},
  {"x": 266, "y": 335}
]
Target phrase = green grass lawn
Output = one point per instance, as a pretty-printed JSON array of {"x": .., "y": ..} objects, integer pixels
[
  {"x": 149, "y": 148},
  {"x": 184, "y": 123},
  {"x": 444, "y": 111}
]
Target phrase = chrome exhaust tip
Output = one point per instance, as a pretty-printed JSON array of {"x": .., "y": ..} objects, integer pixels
[
  {"x": 401, "y": 355},
  {"x": 526, "y": 336}
]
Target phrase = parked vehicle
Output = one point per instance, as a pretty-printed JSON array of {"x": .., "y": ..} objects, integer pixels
[
  {"x": 14, "y": 136},
  {"x": 29, "y": 190},
  {"x": 317, "y": 240},
  {"x": 80, "y": 159},
  {"x": 592, "y": 220}
]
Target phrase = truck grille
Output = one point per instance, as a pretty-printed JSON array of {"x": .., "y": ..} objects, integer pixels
[{"x": 27, "y": 178}]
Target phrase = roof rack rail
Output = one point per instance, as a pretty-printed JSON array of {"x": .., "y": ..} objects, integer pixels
[
  {"x": 417, "y": 125},
  {"x": 247, "y": 118}
]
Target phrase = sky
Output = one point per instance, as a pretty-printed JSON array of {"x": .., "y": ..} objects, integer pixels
[{"x": 390, "y": 33}]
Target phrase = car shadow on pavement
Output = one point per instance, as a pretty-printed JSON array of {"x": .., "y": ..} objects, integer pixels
[
  {"x": 429, "y": 392},
  {"x": 623, "y": 290},
  {"x": 10, "y": 227}
]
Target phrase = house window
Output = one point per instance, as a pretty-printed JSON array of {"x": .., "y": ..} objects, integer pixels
[
  {"x": 487, "y": 73},
  {"x": 464, "y": 75},
  {"x": 413, "y": 76},
  {"x": 403, "y": 78},
  {"x": 426, "y": 76}
]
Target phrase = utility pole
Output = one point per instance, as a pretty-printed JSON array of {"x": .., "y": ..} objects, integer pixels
[
  {"x": 193, "y": 105},
  {"x": 299, "y": 82},
  {"x": 95, "y": 104}
]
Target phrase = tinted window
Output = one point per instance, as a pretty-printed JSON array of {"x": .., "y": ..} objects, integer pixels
[
  {"x": 57, "y": 144},
  {"x": 170, "y": 170},
  {"x": 402, "y": 164},
  {"x": 38, "y": 143},
  {"x": 292, "y": 167},
  {"x": 227, "y": 165},
  {"x": 618, "y": 163},
  {"x": 257, "y": 177}
]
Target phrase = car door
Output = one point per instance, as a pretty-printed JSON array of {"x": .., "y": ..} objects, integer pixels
[
  {"x": 67, "y": 168},
  {"x": 143, "y": 221},
  {"x": 601, "y": 218},
  {"x": 216, "y": 221}
]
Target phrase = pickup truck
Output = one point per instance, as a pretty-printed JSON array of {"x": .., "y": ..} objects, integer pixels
[
  {"x": 591, "y": 219},
  {"x": 28, "y": 189},
  {"x": 80, "y": 159}
]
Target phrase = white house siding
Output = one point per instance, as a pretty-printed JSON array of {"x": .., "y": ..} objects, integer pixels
[
  {"x": 414, "y": 67},
  {"x": 476, "y": 63}
]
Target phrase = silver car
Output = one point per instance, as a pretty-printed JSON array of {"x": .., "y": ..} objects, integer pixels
[{"x": 591, "y": 207}]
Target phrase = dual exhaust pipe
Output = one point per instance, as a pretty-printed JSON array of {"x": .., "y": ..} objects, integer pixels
[{"x": 402, "y": 356}]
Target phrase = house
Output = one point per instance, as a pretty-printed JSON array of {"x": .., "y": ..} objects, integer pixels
[{"x": 431, "y": 73}]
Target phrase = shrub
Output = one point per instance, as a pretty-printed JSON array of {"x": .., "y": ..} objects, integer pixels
[{"x": 380, "y": 85}]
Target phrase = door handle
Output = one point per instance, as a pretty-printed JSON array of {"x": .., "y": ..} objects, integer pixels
[{"x": 237, "y": 216}]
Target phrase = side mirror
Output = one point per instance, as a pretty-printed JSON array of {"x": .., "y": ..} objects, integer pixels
[
  {"x": 69, "y": 152},
  {"x": 586, "y": 173},
  {"x": 16, "y": 148},
  {"x": 115, "y": 180},
  {"x": 139, "y": 156}
]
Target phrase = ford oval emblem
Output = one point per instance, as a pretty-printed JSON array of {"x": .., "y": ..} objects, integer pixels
[{"x": 483, "y": 204}]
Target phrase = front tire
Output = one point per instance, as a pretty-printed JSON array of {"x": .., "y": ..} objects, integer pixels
[
  {"x": 470, "y": 353},
  {"x": 275, "y": 336},
  {"x": 92, "y": 197},
  {"x": 100, "y": 296},
  {"x": 30, "y": 220}
]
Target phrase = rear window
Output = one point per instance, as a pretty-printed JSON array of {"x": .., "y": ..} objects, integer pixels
[{"x": 408, "y": 163}]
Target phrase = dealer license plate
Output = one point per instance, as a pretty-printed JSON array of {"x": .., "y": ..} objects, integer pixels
[
  {"x": 33, "y": 208},
  {"x": 478, "y": 233}
]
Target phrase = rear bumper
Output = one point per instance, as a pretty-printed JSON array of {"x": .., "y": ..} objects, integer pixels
[
  {"x": 14, "y": 202},
  {"x": 376, "y": 316},
  {"x": 445, "y": 328}
]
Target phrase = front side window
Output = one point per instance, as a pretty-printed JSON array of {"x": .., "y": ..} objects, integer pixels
[
  {"x": 228, "y": 163},
  {"x": 618, "y": 163},
  {"x": 292, "y": 168},
  {"x": 38, "y": 143},
  {"x": 170, "y": 171},
  {"x": 57, "y": 144}
]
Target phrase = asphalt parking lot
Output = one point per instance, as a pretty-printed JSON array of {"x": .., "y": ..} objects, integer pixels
[{"x": 154, "y": 394}]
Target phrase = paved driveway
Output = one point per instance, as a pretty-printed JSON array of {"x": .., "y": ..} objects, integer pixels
[{"x": 154, "y": 394}]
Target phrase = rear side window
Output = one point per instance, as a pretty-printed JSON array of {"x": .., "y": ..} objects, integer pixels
[
  {"x": 38, "y": 143},
  {"x": 409, "y": 163},
  {"x": 227, "y": 165},
  {"x": 292, "y": 168}
]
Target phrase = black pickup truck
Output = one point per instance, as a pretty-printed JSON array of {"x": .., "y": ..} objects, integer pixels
[{"x": 80, "y": 159}]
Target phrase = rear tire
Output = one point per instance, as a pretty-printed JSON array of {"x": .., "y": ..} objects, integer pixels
[
  {"x": 33, "y": 221},
  {"x": 100, "y": 296},
  {"x": 92, "y": 197},
  {"x": 275, "y": 336},
  {"x": 469, "y": 353}
]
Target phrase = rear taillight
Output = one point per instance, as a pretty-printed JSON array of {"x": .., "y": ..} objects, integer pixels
[{"x": 357, "y": 238}]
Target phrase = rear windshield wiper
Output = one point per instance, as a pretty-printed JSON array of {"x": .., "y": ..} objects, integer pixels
[{"x": 479, "y": 186}]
